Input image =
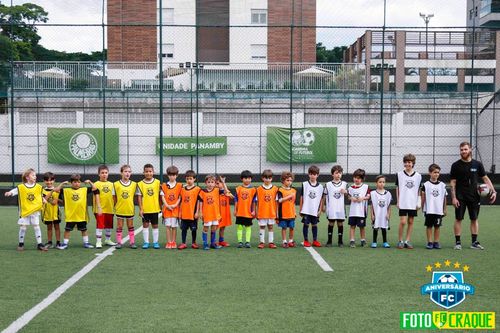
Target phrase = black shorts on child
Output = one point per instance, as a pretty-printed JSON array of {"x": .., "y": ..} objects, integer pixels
[
  {"x": 433, "y": 220},
  {"x": 246, "y": 221},
  {"x": 357, "y": 221}
]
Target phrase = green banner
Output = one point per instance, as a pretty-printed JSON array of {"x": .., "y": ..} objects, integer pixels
[
  {"x": 82, "y": 146},
  {"x": 309, "y": 145},
  {"x": 186, "y": 146}
]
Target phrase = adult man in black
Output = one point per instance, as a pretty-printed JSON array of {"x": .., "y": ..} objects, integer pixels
[{"x": 465, "y": 174}]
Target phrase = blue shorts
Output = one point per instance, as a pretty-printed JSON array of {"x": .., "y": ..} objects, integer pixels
[
  {"x": 309, "y": 219},
  {"x": 290, "y": 223},
  {"x": 357, "y": 221}
]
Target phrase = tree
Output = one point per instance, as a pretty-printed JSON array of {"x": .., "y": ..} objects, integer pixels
[
  {"x": 335, "y": 55},
  {"x": 18, "y": 23}
]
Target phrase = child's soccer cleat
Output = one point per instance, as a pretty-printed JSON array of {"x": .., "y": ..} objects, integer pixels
[
  {"x": 145, "y": 246},
  {"x": 340, "y": 244},
  {"x": 374, "y": 245},
  {"x": 206, "y": 247},
  {"x": 173, "y": 245},
  {"x": 109, "y": 242},
  {"x": 291, "y": 244},
  {"x": 168, "y": 245},
  {"x": 49, "y": 245},
  {"x": 272, "y": 245},
  {"x": 224, "y": 244},
  {"x": 195, "y": 246},
  {"x": 182, "y": 246},
  {"x": 42, "y": 247},
  {"x": 98, "y": 244},
  {"x": 132, "y": 246},
  {"x": 457, "y": 247},
  {"x": 352, "y": 244},
  {"x": 215, "y": 246},
  {"x": 316, "y": 243},
  {"x": 261, "y": 245},
  {"x": 88, "y": 246},
  {"x": 156, "y": 246},
  {"x": 247, "y": 245},
  {"x": 408, "y": 245},
  {"x": 386, "y": 245},
  {"x": 240, "y": 245},
  {"x": 306, "y": 244},
  {"x": 328, "y": 244},
  {"x": 436, "y": 245},
  {"x": 118, "y": 246},
  {"x": 285, "y": 245},
  {"x": 476, "y": 246},
  {"x": 20, "y": 248},
  {"x": 401, "y": 245},
  {"x": 63, "y": 246},
  {"x": 429, "y": 246},
  {"x": 363, "y": 243}
]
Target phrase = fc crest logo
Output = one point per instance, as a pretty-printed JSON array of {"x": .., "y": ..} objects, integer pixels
[
  {"x": 435, "y": 192},
  {"x": 210, "y": 200},
  {"x": 410, "y": 184},
  {"x": 150, "y": 192},
  {"x": 31, "y": 197},
  {"x": 105, "y": 189},
  {"x": 75, "y": 197},
  {"x": 381, "y": 203},
  {"x": 312, "y": 194},
  {"x": 337, "y": 195},
  {"x": 125, "y": 195},
  {"x": 244, "y": 195},
  {"x": 267, "y": 198}
]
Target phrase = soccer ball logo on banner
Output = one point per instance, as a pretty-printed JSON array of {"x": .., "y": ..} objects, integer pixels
[{"x": 302, "y": 138}]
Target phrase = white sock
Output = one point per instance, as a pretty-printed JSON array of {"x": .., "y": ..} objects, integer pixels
[
  {"x": 66, "y": 241},
  {"x": 271, "y": 236},
  {"x": 85, "y": 239},
  {"x": 156, "y": 233},
  {"x": 284, "y": 241},
  {"x": 145, "y": 234},
  {"x": 262, "y": 234},
  {"x": 107, "y": 233},
  {"x": 22, "y": 233},
  {"x": 98, "y": 234},
  {"x": 290, "y": 240},
  {"x": 38, "y": 234}
]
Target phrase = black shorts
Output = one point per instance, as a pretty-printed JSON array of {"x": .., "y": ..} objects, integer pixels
[
  {"x": 82, "y": 226},
  {"x": 52, "y": 222},
  {"x": 336, "y": 220},
  {"x": 246, "y": 221},
  {"x": 189, "y": 224},
  {"x": 150, "y": 218},
  {"x": 125, "y": 217},
  {"x": 433, "y": 220},
  {"x": 309, "y": 219},
  {"x": 357, "y": 221},
  {"x": 471, "y": 206},
  {"x": 408, "y": 212}
]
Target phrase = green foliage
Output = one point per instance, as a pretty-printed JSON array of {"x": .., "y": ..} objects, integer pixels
[
  {"x": 334, "y": 55},
  {"x": 18, "y": 22}
]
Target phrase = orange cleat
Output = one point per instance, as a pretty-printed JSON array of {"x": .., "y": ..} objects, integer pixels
[{"x": 316, "y": 244}]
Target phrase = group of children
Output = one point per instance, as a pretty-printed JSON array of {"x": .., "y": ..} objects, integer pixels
[{"x": 173, "y": 203}]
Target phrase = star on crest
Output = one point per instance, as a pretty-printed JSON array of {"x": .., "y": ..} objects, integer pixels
[
  {"x": 456, "y": 264},
  {"x": 437, "y": 264},
  {"x": 447, "y": 263}
]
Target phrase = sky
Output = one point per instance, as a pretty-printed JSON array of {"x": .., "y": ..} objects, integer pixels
[{"x": 359, "y": 13}]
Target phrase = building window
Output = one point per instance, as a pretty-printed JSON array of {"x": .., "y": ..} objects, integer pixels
[
  {"x": 259, "y": 16},
  {"x": 167, "y": 16},
  {"x": 168, "y": 51},
  {"x": 258, "y": 51}
]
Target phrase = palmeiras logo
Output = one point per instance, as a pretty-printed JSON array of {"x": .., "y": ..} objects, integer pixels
[
  {"x": 447, "y": 288},
  {"x": 83, "y": 146}
]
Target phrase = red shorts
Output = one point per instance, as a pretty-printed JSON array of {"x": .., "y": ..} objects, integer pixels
[{"x": 104, "y": 221}]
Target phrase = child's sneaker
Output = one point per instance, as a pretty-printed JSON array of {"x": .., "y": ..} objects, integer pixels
[
  {"x": 429, "y": 246},
  {"x": 457, "y": 246},
  {"x": 156, "y": 246},
  {"x": 118, "y": 246},
  {"x": 352, "y": 244},
  {"x": 386, "y": 245},
  {"x": 62, "y": 246},
  {"x": 98, "y": 244},
  {"x": 261, "y": 245},
  {"x": 247, "y": 245},
  {"x": 476, "y": 246},
  {"x": 88, "y": 246},
  {"x": 215, "y": 246},
  {"x": 316, "y": 243},
  {"x": 145, "y": 246},
  {"x": 408, "y": 245},
  {"x": 182, "y": 246},
  {"x": 306, "y": 244},
  {"x": 374, "y": 245},
  {"x": 195, "y": 246},
  {"x": 340, "y": 244},
  {"x": 20, "y": 247},
  {"x": 328, "y": 244},
  {"x": 49, "y": 245},
  {"x": 206, "y": 247},
  {"x": 436, "y": 245},
  {"x": 285, "y": 245},
  {"x": 272, "y": 245},
  {"x": 109, "y": 242},
  {"x": 132, "y": 246},
  {"x": 401, "y": 245},
  {"x": 291, "y": 244},
  {"x": 224, "y": 244},
  {"x": 42, "y": 247},
  {"x": 363, "y": 243},
  {"x": 173, "y": 245},
  {"x": 240, "y": 245}
]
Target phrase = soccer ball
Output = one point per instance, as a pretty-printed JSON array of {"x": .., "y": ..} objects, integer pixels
[
  {"x": 297, "y": 138},
  {"x": 447, "y": 278},
  {"x": 308, "y": 137},
  {"x": 483, "y": 190}
]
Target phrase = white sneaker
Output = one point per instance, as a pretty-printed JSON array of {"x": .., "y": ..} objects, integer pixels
[
  {"x": 458, "y": 247},
  {"x": 109, "y": 242},
  {"x": 98, "y": 244}
]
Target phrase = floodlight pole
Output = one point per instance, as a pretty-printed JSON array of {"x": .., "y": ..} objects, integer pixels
[{"x": 427, "y": 19}]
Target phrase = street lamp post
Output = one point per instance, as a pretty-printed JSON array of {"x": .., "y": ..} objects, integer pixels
[{"x": 426, "y": 18}]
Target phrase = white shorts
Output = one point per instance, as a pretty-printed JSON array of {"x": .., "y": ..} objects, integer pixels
[
  {"x": 171, "y": 222},
  {"x": 264, "y": 222},
  {"x": 210, "y": 223},
  {"x": 33, "y": 219}
]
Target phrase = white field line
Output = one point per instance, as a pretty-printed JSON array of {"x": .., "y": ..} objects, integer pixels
[
  {"x": 319, "y": 259},
  {"x": 28, "y": 316}
]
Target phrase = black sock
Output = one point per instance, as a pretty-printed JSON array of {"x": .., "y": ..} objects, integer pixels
[
  {"x": 21, "y": 244},
  {"x": 330, "y": 232},
  {"x": 457, "y": 240},
  {"x": 193, "y": 234},
  {"x": 384, "y": 235},
  {"x": 341, "y": 232},
  {"x": 375, "y": 234},
  {"x": 184, "y": 232},
  {"x": 474, "y": 238}
]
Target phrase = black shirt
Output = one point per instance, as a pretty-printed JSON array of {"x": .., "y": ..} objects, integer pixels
[{"x": 467, "y": 175}]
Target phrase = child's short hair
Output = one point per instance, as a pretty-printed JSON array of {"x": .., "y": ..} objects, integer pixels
[
  {"x": 26, "y": 174},
  {"x": 313, "y": 170},
  {"x": 125, "y": 166},
  {"x": 379, "y": 177},
  {"x": 75, "y": 177},
  {"x": 172, "y": 170},
  {"x": 218, "y": 178},
  {"x": 433, "y": 167},
  {"x": 409, "y": 158},
  {"x": 190, "y": 173},
  {"x": 359, "y": 173},
  {"x": 337, "y": 168},
  {"x": 48, "y": 176},
  {"x": 102, "y": 167},
  {"x": 267, "y": 174},
  {"x": 209, "y": 177},
  {"x": 285, "y": 175},
  {"x": 246, "y": 174},
  {"x": 148, "y": 166}
]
